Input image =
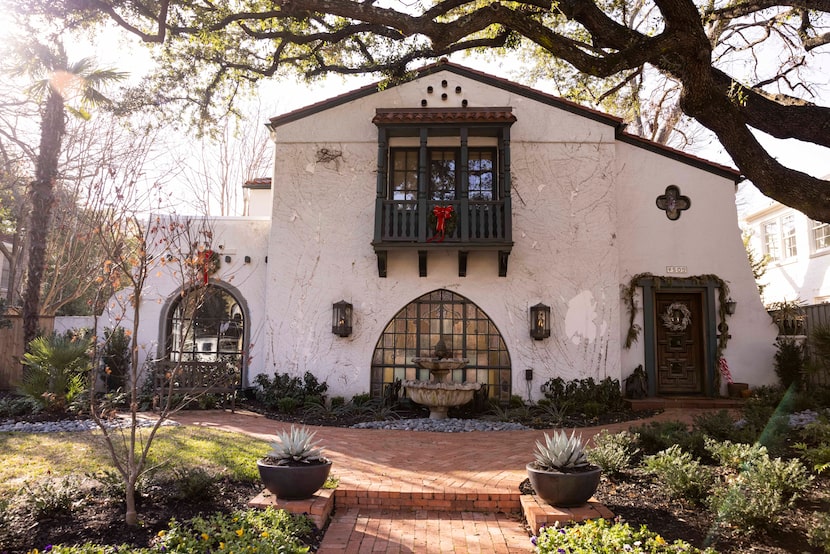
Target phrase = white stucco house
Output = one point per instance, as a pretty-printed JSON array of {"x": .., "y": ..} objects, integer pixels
[
  {"x": 460, "y": 205},
  {"x": 798, "y": 250}
]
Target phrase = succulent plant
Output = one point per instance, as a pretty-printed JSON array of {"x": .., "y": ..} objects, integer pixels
[
  {"x": 561, "y": 453},
  {"x": 295, "y": 447}
]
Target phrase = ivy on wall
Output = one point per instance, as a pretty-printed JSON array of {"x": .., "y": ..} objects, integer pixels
[{"x": 629, "y": 290}]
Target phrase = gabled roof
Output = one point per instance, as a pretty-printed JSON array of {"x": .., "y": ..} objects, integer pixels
[{"x": 512, "y": 87}]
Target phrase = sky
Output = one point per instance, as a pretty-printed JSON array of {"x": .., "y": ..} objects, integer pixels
[{"x": 281, "y": 96}]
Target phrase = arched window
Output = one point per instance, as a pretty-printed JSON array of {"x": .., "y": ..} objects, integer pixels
[
  {"x": 467, "y": 332},
  {"x": 206, "y": 324}
]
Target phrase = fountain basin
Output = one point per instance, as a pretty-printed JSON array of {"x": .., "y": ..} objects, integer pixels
[
  {"x": 443, "y": 364},
  {"x": 439, "y": 397}
]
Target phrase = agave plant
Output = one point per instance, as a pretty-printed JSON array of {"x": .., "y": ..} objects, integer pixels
[
  {"x": 295, "y": 447},
  {"x": 561, "y": 453}
]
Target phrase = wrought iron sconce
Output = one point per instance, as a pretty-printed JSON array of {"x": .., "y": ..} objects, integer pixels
[
  {"x": 729, "y": 306},
  {"x": 341, "y": 319},
  {"x": 540, "y": 321}
]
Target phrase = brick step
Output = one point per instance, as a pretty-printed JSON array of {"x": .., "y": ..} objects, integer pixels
[
  {"x": 684, "y": 402},
  {"x": 446, "y": 501}
]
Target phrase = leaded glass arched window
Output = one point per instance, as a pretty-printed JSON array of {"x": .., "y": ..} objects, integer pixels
[
  {"x": 467, "y": 332},
  {"x": 207, "y": 324}
]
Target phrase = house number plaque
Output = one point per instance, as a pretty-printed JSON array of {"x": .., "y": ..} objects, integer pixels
[{"x": 676, "y": 269}]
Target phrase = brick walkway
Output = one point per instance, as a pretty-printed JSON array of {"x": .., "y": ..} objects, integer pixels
[{"x": 407, "y": 491}]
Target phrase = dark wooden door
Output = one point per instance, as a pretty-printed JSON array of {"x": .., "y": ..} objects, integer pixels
[{"x": 680, "y": 353}]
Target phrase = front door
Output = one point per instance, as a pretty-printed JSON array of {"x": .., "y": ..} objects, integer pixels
[{"x": 680, "y": 353}]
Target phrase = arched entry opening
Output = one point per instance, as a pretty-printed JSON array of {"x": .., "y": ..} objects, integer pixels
[
  {"x": 468, "y": 332},
  {"x": 206, "y": 324}
]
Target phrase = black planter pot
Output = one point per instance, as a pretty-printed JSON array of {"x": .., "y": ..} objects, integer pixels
[
  {"x": 564, "y": 489},
  {"x": 293, "y": 482}
]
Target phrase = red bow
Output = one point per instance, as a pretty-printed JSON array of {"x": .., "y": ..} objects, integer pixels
[
  {"x": 207, "y": 257},
  {"x": 442, "y": 214}
]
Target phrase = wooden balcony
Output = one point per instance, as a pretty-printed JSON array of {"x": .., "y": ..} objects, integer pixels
[{"x": 473, "y": 226}]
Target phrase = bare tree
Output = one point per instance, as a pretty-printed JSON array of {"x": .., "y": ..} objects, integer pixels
[
  {"x": 236, "y": 152},
  {"x": 138, "y": 248}
]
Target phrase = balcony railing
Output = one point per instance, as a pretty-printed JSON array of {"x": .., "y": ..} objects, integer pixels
[
  {"x": 474, "y": 225},
  {"x": 482, "y": 222}
]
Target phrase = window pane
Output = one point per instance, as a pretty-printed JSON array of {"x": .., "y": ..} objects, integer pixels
[
  {"x": 788, "y": 234},
  {"x": 442, "y": 174},
  {"x": 480, "y": 176},
  {"x": 770, "y": 231},
  {"x": 403, "y": 177},
  {"x": 821, "y": 235}
]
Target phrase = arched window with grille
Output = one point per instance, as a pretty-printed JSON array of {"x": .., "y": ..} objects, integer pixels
[
  {"x": 467, "y": 331},
  {"x": 206, "y": 324}
]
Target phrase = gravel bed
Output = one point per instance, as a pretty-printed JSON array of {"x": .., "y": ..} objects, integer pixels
[
  {"x": 449, "y": 425},
  {"x": 72, "y": 425}
]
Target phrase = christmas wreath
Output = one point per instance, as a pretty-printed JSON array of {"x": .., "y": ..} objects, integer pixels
[
  {"x": 443, "y": 220},
  {"x": 208, "y": 261},
  {"x": 672, "y": 321}
]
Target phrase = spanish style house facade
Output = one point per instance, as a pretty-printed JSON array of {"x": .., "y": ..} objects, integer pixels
[{"x": 451, "y": 206}]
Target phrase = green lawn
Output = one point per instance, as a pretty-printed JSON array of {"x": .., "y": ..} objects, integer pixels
[{"x": 30, "y": 456}]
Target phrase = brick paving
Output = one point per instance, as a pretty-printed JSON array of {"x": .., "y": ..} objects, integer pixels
[{"x": 408, "y": 491}]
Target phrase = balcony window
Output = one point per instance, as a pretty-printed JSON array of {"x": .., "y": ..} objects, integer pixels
[
  {"x": 443, "y": 182},
  {"x": 443, "y": 177}
]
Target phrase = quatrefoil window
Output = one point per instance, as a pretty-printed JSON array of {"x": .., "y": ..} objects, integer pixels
[{"x": 673, "y": 203}]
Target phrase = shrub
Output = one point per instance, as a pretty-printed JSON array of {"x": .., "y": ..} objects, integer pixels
[
  {"x": 48, "y": 497},
  {"x": 271, "y": 391},
  {"x": 680, "y": 473},
  {"x": 362, "y": 399},
  {"x": 756, "y": 488},
  {"x": 14, "y": 406},
  {"x": 116, "y": 358},
  {"x": 721, "y": 425},
  {"x": 613, "y": 452},
  {"x": 600, "y": 535},
  {"x": 657, "y": 436},
  {"x": 574, "y": 396},
  {"x": 192, "y": 483},
  {"x": 789, "y": 360},
  {"x": 819, "y": 533},
  {"x": 287, "y": 405},
  {"x": 55, "y": 369}
]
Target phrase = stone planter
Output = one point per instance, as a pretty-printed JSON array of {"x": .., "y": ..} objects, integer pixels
[
  {"x": 564, "y": 489},
  {"x": 737, "y": 390},
  {"x": 294, "y": 482}
]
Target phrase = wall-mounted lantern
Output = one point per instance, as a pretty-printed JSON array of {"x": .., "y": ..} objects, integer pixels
[
  {"x": 540, "y": 321},
  {"x": 341, "y": 319},
  {"x": 729, "y": 306}
]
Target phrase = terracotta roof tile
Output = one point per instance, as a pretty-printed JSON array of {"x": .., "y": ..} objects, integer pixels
[{"x": 384, "y": 116}]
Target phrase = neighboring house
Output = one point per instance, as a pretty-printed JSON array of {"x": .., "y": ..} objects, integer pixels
[
  {"x": 5, "y": 270},
  {"x": 798, "y": 250},
  {"x": 507, "y": 221}
]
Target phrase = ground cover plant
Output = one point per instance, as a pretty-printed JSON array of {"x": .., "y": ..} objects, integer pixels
[{"x": 57, "y": 488}]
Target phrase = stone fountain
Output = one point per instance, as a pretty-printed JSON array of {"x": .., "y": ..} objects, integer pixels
[{"x": 440, "y": 392}]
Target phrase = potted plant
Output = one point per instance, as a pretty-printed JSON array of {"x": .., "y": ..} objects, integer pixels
[
  {"x": 561, "y": 474},
  {"x": 789, "y": 315},
  {"x": 295, "y": 468}
]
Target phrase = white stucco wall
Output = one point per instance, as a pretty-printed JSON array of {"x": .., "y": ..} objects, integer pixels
[
  {"x": 234, "y": 237},
  {"x": 564, "y": 216},
  {"x": 705, "y": 240}
]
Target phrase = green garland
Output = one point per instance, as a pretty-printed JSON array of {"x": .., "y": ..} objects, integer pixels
[{"x": 628, "y": 297}]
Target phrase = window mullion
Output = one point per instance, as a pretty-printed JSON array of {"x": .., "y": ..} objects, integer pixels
[
  {"x": 423, "y": 182},
  {"x": 463, "y": 188}
]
